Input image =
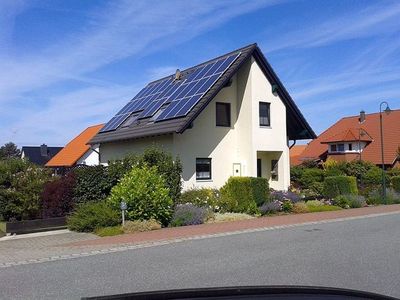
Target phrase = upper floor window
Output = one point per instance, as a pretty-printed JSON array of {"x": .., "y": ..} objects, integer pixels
[
  {"x": 350, "y": 147},
  {"x": 223, "y": 114},
  {"x": 337, "y": 148},
  {"x": 264, "y": 113},
  {"x": 340, "y": 147}
]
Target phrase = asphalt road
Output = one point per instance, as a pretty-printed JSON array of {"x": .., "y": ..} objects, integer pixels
[{"x": 360, "y": 254}]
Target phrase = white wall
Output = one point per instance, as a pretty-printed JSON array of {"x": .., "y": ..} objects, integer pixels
[
  {"x": 116, "y": 150},
  {"x": 90, "y": 158}
]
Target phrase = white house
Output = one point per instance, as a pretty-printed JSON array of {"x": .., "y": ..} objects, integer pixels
[{"x": 230, "y": 116}]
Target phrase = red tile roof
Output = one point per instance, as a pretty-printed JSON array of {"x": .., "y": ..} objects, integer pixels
[
  {"x": 348, "y": 135},
  {"x": 372, "y": 153},
  {"x": 295, "y": 153},
  {"x": 75, "y": 149}
]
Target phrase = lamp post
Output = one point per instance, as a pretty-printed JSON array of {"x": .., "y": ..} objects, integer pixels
[
  {"x": 361, "y": 120},
  {"x": 387, "y": 111}
]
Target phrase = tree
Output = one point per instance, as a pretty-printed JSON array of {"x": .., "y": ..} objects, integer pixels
[{"x": 9, "y": 150}]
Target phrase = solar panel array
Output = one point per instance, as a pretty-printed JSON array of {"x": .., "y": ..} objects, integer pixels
[{"x": 179, "y": 96}]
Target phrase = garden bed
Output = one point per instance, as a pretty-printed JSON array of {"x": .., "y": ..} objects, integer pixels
[{"x": 30, "y": 226}]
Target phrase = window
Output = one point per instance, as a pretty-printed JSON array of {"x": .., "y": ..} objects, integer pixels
[
  {"x": 274, "y": 169},
  {"x": 264, "y": 112},
  {"x": 203, "y": 168},
  {"x": 223, "y": 114},
  {"x": 259, "y": 164},
  {"x": 340, "y": 147},
  {"x": 350, "y": 147},
  {"x": 333, "y": 148},
  {"x": 129, "y": 121}
]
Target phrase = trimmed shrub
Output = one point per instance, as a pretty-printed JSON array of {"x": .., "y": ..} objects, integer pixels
[
  {"x": 295, "y": 173},
  {"x": 109, "y": 231},
  {"x": 310, "y": 176},
  {"x": 228, "y": 217},
  {"x": 394, "y": 172},
  {"x": 271, "y": 207},
  {"x": 145, "y": 193},
  {"x": 188, "y": 214},
  {"x": 93, "y": 183},
  {"x": 300, "y": 208},
  {"x": 141, "y": 226},
  {"x": 396, "y": 183},
  {"x": 202, "y": 197},
  {"x": 339, "y": 185},
  {"x": 57, "y": 196},
  {"x": 244, "y": 194},
  {"x": 91, "y": 216}
]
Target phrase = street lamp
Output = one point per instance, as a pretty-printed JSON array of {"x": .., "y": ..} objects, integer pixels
[
  {"x": 361, "y": 120},
  {"x": 387, "y": 111}
]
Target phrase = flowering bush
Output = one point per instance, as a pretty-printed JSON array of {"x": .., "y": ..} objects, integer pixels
[
  {"x": 271, "y": 207},
  {"x": 283, "y": 196},
  {"x": 188, "y": 214},
  {"x": 202, "y": 197}
]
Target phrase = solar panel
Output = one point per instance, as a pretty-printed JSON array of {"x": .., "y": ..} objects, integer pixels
[{"x": 177, "y": 97}]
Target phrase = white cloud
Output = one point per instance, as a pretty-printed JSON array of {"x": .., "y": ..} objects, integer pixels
[{"x": 121, "y": 29}]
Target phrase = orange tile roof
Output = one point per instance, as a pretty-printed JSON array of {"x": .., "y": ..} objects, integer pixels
[
  {"x": 349, "y": 135},
  {"x": 295, "y": 153},
  {"x": 372, "y": 153},
  {"x": 75, "y": 149}
]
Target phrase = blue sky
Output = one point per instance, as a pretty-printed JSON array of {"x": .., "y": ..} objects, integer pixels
[{"x": 66, "y": 65}]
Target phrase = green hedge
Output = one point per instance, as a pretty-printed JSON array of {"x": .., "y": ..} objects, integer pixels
[
  {"x": 339, "y": 185},
  {"x": 244, "y": 194},
  {"x": 396, "y": 183}
]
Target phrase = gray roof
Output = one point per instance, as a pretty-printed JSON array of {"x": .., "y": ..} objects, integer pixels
[
  {"x": 297, "y": 126},
  {"x": 34, "y": 154}
]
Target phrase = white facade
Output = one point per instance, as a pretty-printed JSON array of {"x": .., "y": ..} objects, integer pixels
[
  {"x": 233, "y": 150},
  {"x": 90, "y": 158}
]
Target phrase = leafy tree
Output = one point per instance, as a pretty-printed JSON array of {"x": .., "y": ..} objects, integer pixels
[{"x": 9, "y": 150}]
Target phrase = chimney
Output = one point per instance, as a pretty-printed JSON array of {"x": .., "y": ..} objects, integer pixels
[
  {"x": 178, "y": 74},
  {"x": 43, "y": 150}
]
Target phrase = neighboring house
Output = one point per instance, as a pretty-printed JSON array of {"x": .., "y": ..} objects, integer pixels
[
  {"x": 39, "y": 155},
  {"x": 230, "y": 116},
  {"x": 77, "y": 151},
  {"x": 348, "y": 140},
  {"x": 295, "y": 152}
]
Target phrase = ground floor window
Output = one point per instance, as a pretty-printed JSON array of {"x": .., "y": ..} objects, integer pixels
[
  {"x": 203, "y": 168},
  {"x": 274, "y": 169},
  {"x": 259, "y": 165}
]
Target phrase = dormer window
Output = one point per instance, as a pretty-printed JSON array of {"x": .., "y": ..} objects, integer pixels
[{"x": 129, "y": 121}]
